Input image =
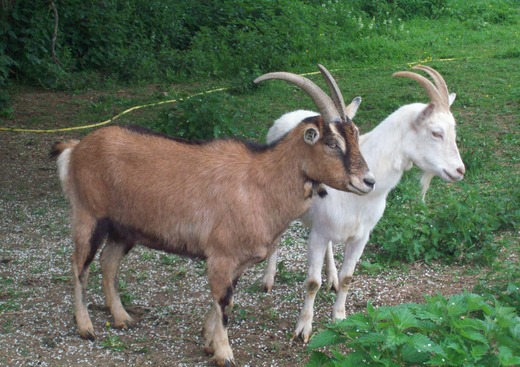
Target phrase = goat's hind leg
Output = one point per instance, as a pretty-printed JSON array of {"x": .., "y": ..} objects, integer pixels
[
  {"x": 88, "y": 234},
  {"x": 330, "y": 269},
  {"x": 270, "y": 268},
  {"x": 110, "y": 259}
]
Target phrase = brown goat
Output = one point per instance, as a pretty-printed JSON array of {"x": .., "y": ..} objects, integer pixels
[{"x": 225, "y": 201}]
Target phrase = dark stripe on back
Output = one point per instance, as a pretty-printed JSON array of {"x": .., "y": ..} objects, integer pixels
[{"x": 254, "y": 147}]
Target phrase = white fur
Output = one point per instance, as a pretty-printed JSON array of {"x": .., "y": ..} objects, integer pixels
[
  {"x": 63, "y": 169},
  {"x": 408, "y": 136}
]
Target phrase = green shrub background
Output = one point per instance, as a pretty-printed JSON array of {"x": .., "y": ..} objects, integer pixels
[{"x": 163, "y": 40}]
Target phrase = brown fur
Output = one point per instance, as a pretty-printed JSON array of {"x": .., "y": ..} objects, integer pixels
[{"x": 220, "y": 200}]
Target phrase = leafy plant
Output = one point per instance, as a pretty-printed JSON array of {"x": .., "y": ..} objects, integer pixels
[
  {"x": 202, "y": 117},
  {"x": 502, "y": 281},
  {"x": 465, "y": 329},
  {"x": 453, "y": 225},
  {"x": 113, "y": 343}
]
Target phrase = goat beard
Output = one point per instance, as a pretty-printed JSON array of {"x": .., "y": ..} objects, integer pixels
[{"x": 426, "y": 179}]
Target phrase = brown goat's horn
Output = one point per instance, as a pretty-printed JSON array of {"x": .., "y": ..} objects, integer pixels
[
  {"x": 439, "y": 82},
  {"x": 432, "y": 91},
  {"x": 319, "y": 97},
  {"x": 335, "y": 92}
]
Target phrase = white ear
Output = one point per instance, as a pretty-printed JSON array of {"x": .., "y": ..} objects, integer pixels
[
  {"x": 451, "y": 98},
  {"x": 311, "y": 135},
  {"x": 351, "y": 109},
  {"x": 426, "y": 113}
]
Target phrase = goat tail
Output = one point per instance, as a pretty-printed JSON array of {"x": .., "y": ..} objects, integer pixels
[
  {"x": 61, "y": 150},
  {"x": 60, "y": 146}
]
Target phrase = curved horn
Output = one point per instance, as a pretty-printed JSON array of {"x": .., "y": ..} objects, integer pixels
[
  {"x": 433, "y": 93},
  {"x": 319, "y": 97},
  {"x": 335, "y": 92},
  {"x": 439, "y": 82}
]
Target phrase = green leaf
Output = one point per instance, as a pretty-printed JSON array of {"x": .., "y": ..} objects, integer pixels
[
  {"x": 394, "y": 338},
  {"x": 477, "y": 302},
  {"x": 423, "y": 343},
  {"x": 371, "y": 310},
  {"x": 427, "y": 315},
  {"x": 506, "y": 357},
  {"x": 473, "y": 335},
  {"x": 479, "y": 350},
  {"x": 412, "y": 355},
  {"x": 325, "y": 338},
  {"x": 359, "y": 321},
  {"x": 319, "y": 359},
  {"x": 369, "y": 339},
  {"x": 515, "y": 330},
  {"x": 457, "y": 305},
  {"x": 404, "y": 319}
]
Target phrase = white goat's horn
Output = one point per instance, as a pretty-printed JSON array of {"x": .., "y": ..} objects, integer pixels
[
  {"x": 318, "y": 96},
  {"x": 432, "y": 91},
  {"x": 335, "y": 92},
  {"x": 439, "y": 82}
]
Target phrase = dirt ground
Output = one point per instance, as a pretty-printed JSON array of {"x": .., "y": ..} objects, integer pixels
[{"x": 168, "y": 296}]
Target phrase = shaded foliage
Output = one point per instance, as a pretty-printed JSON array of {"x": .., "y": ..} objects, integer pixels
[{"x": 115, "y": 41}]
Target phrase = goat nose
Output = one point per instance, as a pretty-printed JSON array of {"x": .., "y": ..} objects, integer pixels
[
  {"x": 369, "y": 181},
  {"x": 461, "y": 170}
]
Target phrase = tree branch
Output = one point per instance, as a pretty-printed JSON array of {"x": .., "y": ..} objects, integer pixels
[{"x": 55, "y": 34}]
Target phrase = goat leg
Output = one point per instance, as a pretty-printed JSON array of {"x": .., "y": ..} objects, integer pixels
[{"x": 110, "y": 259}]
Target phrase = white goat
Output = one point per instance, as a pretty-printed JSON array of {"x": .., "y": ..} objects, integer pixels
[
  {"x": 420, "y": 134},
  {"x": 226, "y": 201}
]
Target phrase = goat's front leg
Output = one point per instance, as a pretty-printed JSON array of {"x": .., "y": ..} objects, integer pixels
[
  {"x": 317, "y": 246},
  {"x": 222, "y": 284},
  {"x": 330, "y": 269},
  {"x": 353, "y": 251},
  {"x": 110, "y": 259}
]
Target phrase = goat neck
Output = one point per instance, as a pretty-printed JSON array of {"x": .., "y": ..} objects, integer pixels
[{"x": 385, "y": 151}]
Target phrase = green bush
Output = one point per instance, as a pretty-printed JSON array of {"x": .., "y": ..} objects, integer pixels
[
  {"x": 502, "y": 281},
  {"x": 404, "y": 9},
  {"x": 202, "y": 117},
  {"x": 463, "y": 330},
  {"x": 456, "y": 223},
  {"x": 153, "y": 40}
]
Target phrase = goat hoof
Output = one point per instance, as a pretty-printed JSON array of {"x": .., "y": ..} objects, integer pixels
[
  {"x": 301, "y": 336},
  {"x": 333, "y": 288},
  {"x": 125, "y": 324},
  {"x": 268, "y": 288},
  {"x": 225, "y": 363},
  {"x": 88, "y": 335}
]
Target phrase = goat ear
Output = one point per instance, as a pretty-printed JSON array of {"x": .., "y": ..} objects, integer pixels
[
  {"x": 311, "y": 135},
  {"x": 426, "y": 113},
  {"x": 451, "y": 98},
  {"x": 351, "y": 109}
]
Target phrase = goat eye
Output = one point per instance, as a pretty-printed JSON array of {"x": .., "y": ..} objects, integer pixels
[
  {"x": 437, "y": 134},
  {"x": 332, "y": 144}
]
